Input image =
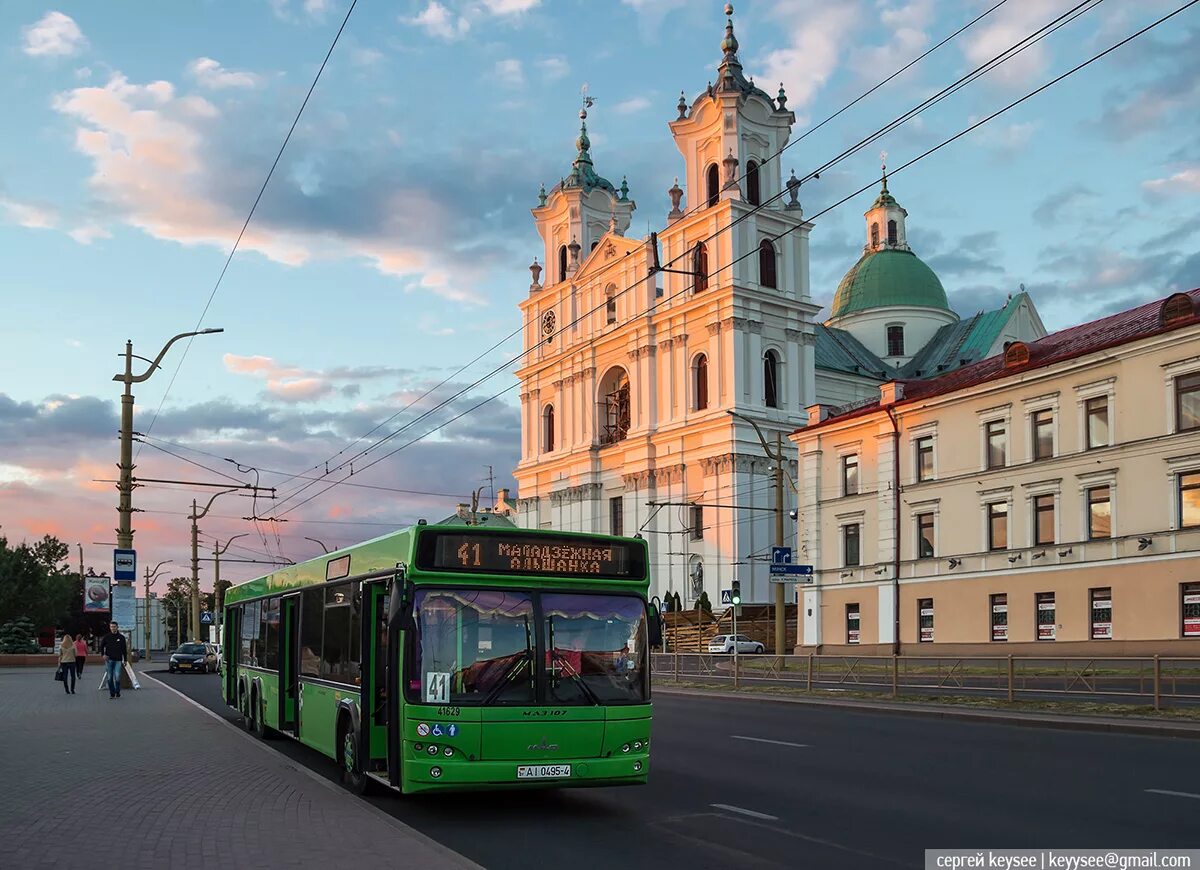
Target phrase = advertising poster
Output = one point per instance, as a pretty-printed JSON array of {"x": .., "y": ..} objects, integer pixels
[
  {"x": 95, "y": 595},
  {"x": 1102, "y": 619},
  {"x": 926, "y": 613},
  {"x": 1000, "y": 620},
  {"x": 1191, "y": 614},
  {"x": 124, "y": 605}
]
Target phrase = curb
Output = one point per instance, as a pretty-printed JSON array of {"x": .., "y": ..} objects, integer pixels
[
  {"x": 1033, "y": 720},
  {"x": 449, "y": 854}
]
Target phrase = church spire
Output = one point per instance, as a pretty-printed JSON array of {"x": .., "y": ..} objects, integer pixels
[
  {"x": 885, "y": 218},
  {"x": 729, "y": 72}
]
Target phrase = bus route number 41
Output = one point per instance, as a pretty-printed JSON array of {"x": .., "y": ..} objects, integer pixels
[{"x": 437, "y": 688}]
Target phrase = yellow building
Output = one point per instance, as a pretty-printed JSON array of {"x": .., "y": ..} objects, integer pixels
[{"x": 1048, "y": 497}]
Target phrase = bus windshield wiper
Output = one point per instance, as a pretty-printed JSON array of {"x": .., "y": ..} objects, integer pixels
[
  {"x": 526, "y": 659},
  {"x": 570, "y": 671}
]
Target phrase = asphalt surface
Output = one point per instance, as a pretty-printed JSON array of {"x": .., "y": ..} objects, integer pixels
[{"x": 750, "y": 784}]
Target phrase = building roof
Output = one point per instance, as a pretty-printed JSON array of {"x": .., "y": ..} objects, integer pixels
[
  {"x": 887, "y": 277},
  {"x": 838, "y": 350},
  {"x": 1141, "y": 322}
]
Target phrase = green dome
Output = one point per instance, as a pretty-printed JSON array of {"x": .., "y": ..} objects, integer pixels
[{"x": 885, "y": 278}]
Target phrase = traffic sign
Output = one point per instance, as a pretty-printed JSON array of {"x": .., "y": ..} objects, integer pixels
[
  {"x": 805, "y": 570},
  {"x": 781, "y": 555},
  {"x": 124, "y": 564},
  {"x": 727, "y": 596},
  {"x": 206, "y": 617}
]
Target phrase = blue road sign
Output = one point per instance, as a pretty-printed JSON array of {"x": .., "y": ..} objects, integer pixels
[
  {"x": 125, "y": 564},
  {"x": 781, "y": 555},
  {"x": 206, "y": 617},
  {"x": 727, "y": 596},
  {"x": 805, "y": 570}
]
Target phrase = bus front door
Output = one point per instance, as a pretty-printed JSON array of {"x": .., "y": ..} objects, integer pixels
[
  {"x": 232, "y": 628},
  {"x": 289, "y": 659},
  {"x": 373, "y": 745}
]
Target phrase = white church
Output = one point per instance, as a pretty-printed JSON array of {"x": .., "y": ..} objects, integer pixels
[{"x": 640, "y": 351}]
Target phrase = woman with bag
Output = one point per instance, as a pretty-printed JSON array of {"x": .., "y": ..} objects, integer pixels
[
  {"x": 66, "y": 664},
  {"x": 80, "y": 654}
]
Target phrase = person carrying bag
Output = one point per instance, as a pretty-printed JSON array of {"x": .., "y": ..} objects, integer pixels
[{"x": 66, "y": 664}]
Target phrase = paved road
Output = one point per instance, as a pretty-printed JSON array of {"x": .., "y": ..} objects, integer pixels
[{"x": 728, "y": 789}]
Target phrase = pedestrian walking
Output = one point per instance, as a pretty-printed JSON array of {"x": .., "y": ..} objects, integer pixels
[
  {"x": 81, "y": 652},
  {"x": 66, "y": 663},
  {"x": 115, "y": 650}
]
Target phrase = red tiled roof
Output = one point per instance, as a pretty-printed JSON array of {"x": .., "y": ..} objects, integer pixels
[{"x": 1076, "y": 341}]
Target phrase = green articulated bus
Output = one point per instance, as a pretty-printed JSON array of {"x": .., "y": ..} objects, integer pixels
[{"x": 454, "y": 657}]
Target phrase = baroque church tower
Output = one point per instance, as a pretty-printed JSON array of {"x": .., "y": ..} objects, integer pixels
[{"x": 640, "y": 350}]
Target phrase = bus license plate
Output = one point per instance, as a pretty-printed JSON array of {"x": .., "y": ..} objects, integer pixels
[{"x": 543, "y": 771}]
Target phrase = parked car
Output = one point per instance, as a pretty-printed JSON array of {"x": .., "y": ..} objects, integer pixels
[
  {"x": 197, "y": 657},
  {"x": 724, "y": 643}
]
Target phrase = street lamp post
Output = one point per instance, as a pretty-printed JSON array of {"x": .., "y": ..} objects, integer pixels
[
  {"x": 151, "y": 576},
  {"x": 218, "y": 598},
  {"x": 777, "y": 457},
  {"x": 125, "y": 485},
  {"x": 194, "y": 622}
]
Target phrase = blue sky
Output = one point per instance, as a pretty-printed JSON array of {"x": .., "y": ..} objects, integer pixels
[{"x": 393, "y": 241}]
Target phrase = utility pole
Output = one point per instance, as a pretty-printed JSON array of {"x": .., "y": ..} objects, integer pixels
[
  {"x": 125, "y": 484},
  {"x": 194, "y": 623},
  {"x": 150, "y": 578},
  {"x": 218, "y": 595}
]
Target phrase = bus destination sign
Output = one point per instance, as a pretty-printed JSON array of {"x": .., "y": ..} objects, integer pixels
[{"x": 538, "y": 555}]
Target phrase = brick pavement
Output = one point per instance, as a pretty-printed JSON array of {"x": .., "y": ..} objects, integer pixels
[{"x": 193, "y": 792}]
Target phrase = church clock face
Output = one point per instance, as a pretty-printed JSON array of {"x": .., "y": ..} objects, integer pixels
[{"x": 548, "y": 324}]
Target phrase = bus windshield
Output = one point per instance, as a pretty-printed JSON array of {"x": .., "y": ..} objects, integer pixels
[{"x": 478, "y": 647}]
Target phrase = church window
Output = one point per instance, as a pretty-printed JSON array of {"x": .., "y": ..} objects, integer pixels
[
  {"x": 771, "y": 379},
  {"x": 610, "y": 305},
  {"x": 562, "y": 262},
  {"x": 766, "y": 265},
  {"x": 548, "y": 429},
  {"x": 700, "y": 267},
  {"x": 700, "y": 376},
  {"x": 892, "y": 237},
  {"x": 753, "y": 195},
  {"x": 874, "y": 235},
  {"x": 614, "y": 406},
  {"x": 713, "y": 183},
  {"x": 895, "y": 341}
]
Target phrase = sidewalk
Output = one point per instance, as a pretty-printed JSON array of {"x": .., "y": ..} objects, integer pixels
[
  {"x": 1062, "y": 721},
  {"x": 188, "y": 790}
]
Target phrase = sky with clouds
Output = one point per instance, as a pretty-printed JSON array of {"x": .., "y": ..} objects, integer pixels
[{"x": 392, "y": 244}]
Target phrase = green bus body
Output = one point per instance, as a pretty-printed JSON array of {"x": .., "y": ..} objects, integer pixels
[{"x": 413, "y": 744}]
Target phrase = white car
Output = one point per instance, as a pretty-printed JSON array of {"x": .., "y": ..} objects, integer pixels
[{"x": 724, "y": 643}]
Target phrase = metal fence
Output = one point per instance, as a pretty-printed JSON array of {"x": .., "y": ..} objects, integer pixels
[{"x": 1161, "y": 681}]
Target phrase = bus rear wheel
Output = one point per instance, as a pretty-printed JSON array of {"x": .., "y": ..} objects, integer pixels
[{"x": 353, "y": 777}]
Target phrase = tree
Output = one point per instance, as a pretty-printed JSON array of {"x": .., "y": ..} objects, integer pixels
[
  {"x": 36, "y": 583},
  {"x": 703, "y": 604},
  {"x": 16, "y": 638},
  {"x": 177, "y": 607}
]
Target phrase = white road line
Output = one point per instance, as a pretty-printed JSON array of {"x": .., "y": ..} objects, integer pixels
[
  {"x": 765, "y": 740},
  {"x": 1185, "y": 794},
  {"x": 751, "y": 813}
]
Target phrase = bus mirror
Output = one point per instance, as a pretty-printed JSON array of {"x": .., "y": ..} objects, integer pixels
[
  {"x": 655, "y": 625},
  {"x": 397, "y": 594}
]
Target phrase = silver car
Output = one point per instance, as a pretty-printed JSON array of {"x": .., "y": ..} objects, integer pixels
[{"x": 724, "y": 643}]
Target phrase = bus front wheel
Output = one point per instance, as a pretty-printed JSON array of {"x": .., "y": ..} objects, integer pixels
[{"x": 353, "y": 777}]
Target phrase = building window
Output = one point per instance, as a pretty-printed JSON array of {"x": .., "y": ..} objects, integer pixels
[
  {"x": 852, "y": 545},
  {"x": 1190, "y": 608},
  {"x": 1096, "y": 413},
  {"x": 850, "y": 474},
  {"x": 925, "y": 620},
  {"x": 1187, "y": 402},
  {"x": 771, "y": 379},
  {"x": 925, "y": 458},
  {"x": 853, "y": 623},
  {"x": 700, "y": 382},
  {"x": 1177, "y": 309},
  {"x": 1189, "y": 499},
  {"x": 1099, "y": 513},
  {"x": 895, "y": 341},
  {"x": 700, "y": 267},
  {"x": 893, "y": 238},
  {"x": 713, "y": 180},
  {"x": 999, "y": 612},
  {"x": 1046, "y": 627},
  {"x": 875, "y": 235},
  {"x": 614, "y": 406},
  {"x": 1043, "y": 434},
  {"x": 562, "y": 262},
  {"x": 925, "y": 536},
  {"x": 753, "y": 195},
  {"x": 1043, "y": 519},
  {"x": 610, "y": 306},
  {"x": 997, "y": 520},
  {"x": 548, "y": 429},
  {"x": 616, "y": 515},
  {"x": 697, "y": 522},
  {"x": 1101, "y": 608},
  {"x": 997, "y": 444},
  {"x": 766, "y": 265}
]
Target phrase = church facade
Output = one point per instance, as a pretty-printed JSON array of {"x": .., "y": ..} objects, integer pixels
[{"x": 649, "y": 361}]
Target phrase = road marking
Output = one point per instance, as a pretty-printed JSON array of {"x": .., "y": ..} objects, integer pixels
[
  {"x": 1173, "y": 793},
  {"x": 751, "y": 813},
  {"x": 765, "y": 740}
]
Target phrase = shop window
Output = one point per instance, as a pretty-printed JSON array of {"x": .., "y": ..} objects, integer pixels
[
  {"x": 998, "y": 606},
  {"x": 1101, "y": 613},
  {"x": 925, "y": 620},
  {"x": 853, "y": 623},
  {"x": 1190, "y": 608},
  {"x": 1047, "y": 627}
]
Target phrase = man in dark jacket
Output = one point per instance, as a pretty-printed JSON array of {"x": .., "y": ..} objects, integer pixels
[{"x": 115, "y": 650}]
